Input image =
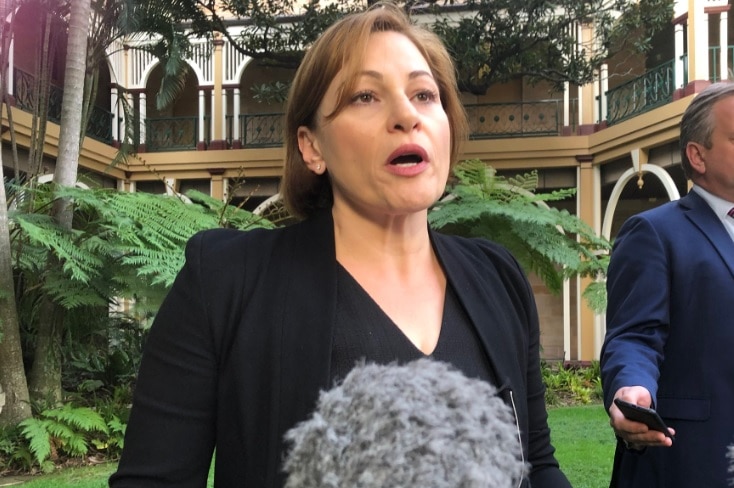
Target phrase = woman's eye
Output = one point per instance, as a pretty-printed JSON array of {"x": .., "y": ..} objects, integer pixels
[
  {"x": 364, "y": 97},
  {"x": 427, "y": 96}
]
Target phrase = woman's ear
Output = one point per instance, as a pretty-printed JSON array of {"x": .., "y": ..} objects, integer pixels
[{"x": 308, "y": 144}]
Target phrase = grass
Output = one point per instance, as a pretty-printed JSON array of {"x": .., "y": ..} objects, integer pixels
[
  {"x": 77, "y": 477},
  {"x": 584, "y": 444},
  {"x": 581, "y": 434}
]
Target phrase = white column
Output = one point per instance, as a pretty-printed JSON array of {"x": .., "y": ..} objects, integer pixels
[
  {"x": 11, "y": 67},
  {"x": 125, "y": 122},
  {"x": 170, "y": 185},
  {"x": 566, "y": 105},
  {"x": 679, "y": 66},
  {"x": 223, "y": 115},
  {"x": 604, "y": 89},
  {"x": 143, "y": 116},
  {"x": 597, "y": 100},
  {"x": 212, "y": 114},
  {"x": 115, "y": 113},
  {"x": 236, "y": 115},
  {"x": 580, "y": 108},
  {"x": 701, "y": 31},
  {"x": 723, "y": 46},
  {"x": 202, "y": 108}
]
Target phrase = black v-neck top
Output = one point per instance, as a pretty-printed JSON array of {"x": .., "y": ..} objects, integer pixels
[{"x": 363, "y": 331}]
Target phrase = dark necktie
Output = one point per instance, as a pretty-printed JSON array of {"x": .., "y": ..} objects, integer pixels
[{"x": 730, "y": 213}]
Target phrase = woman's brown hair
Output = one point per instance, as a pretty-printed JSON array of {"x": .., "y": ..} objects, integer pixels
[{"x": 342, "y": 46}]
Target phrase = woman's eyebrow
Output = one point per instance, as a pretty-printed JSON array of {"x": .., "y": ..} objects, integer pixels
[{"x": 378, "y": 76}]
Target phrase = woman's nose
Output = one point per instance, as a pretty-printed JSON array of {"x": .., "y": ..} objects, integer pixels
[{"x": 404, "y": 116}]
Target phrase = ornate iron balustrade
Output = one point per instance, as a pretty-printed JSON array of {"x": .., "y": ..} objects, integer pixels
[
  {"x": 641, "y": 94},
  {"x": 171, "y": 133},
  {"x": 261, "y": 130},
  {"x": 496, "y": 120},
  {"x": 24, "y": 92},
  {"x": 100, "y": 121},
  {"x": 714, "y": 63},
  {"x": 100, "y": 124}
]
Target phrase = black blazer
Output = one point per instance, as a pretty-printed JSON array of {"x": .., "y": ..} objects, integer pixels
[{"x": 241, "y": 348}]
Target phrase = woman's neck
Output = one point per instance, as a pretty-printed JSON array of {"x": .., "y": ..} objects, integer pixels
[{"x": 386, "y": 239}]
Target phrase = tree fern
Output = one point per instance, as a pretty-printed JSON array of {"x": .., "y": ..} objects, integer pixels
[
  {"x": 62, "y": 431},
  {"x": 38, "y": 437},
  {"x": 547, "y": 241}
]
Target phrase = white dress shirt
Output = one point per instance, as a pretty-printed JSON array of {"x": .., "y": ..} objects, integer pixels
[{"x": 720, "y": 207}]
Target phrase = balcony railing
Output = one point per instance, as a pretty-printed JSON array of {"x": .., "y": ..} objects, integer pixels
[
  {"x": 497, "y": 120},
  {"x": 487, "y": 121},
  {"x": 171, "y": 133},
  {"x": 641, "y": 94},
  {"x": 100, "y": 120},
  {"x": 715, "y": 62}
]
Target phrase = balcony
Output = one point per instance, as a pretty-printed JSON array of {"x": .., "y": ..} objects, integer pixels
[
  {"x": 24, "y": 89},
  {"x": 544, "y": 118},
  {"x": 642, "y": 94}
]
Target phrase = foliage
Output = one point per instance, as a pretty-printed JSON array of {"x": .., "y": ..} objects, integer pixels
[
  {"x": 123, "y": 244},
  {"x": 65, "y": 431},
  {"x": 15, "y": 453},
  {"x": 499, "y": 40},
  {"x": 566, "y": 384},
  {"x": 124, "y": 247},
  {"x": 549, "y": 242},
  {"x": 101, "y": 350},
  {"x": 275, "y": 92},
  {"x": 491, "y": 41}
]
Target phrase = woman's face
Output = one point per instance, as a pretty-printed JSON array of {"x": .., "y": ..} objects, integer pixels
[{"x": 387, "y": 152}]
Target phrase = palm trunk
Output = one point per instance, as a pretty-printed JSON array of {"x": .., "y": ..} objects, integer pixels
[
  {"x": 45, "y": 379},
  {"x": 13, "y": 387}
]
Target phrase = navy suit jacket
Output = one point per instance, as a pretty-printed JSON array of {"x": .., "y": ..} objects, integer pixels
[
  {"x": 241, "y": 348},
  {"x": 670, "y": 328}
]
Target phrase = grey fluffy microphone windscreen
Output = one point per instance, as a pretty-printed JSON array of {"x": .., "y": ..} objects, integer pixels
[{"x": 422, "y": 424}]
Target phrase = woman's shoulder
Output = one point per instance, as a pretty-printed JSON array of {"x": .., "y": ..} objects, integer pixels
[
  {"x": 222, "y": 241},
  {"x": 477, "y": 248}
]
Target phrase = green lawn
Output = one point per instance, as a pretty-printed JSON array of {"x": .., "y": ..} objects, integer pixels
[
  {"x": 584, "y": 444},
  {"x": 582, "y": 437}
]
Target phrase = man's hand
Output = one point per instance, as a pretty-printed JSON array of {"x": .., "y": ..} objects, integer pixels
[{"x": 636, "y": 435}]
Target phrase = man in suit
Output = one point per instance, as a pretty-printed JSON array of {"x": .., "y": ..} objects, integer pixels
[{"x": 670, "y": 315}]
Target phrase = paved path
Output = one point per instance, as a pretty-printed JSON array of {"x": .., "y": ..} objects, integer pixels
[{"x": 13, "y": 480}]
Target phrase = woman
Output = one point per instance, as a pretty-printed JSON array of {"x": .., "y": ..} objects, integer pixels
[{"x": 258, "y": 322}]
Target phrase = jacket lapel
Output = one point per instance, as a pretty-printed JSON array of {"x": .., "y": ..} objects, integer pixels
[
  {"x": 700, "y": 214},
  {"x": 308, "y": 318},
  {"x": 472, "y": 285}
]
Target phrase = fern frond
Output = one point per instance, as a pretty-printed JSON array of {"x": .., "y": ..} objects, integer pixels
[
  {"x": 83, "y": 418},
  {"x": 39, "y": 440},
  {"x": 596, "y": 296},
  {"x": 43, "y": 231},
  {"x": 547, "y": 241}
]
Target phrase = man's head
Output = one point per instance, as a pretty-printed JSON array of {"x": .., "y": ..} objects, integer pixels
[
  {"x": 706, "y": 132},
  {"x": 422, "y": 424}
]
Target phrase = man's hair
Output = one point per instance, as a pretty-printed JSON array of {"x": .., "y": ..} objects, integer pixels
[
  {"x": 697, "y": 123},
  {"x": 423, "y": 424}
]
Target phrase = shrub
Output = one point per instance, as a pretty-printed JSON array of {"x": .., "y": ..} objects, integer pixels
[{"x": 570, "y": 384}]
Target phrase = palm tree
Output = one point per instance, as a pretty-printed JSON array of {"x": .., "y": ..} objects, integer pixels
[
  {"x": 45, "y": 375},
  {"x": 12, "y": 374}
]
